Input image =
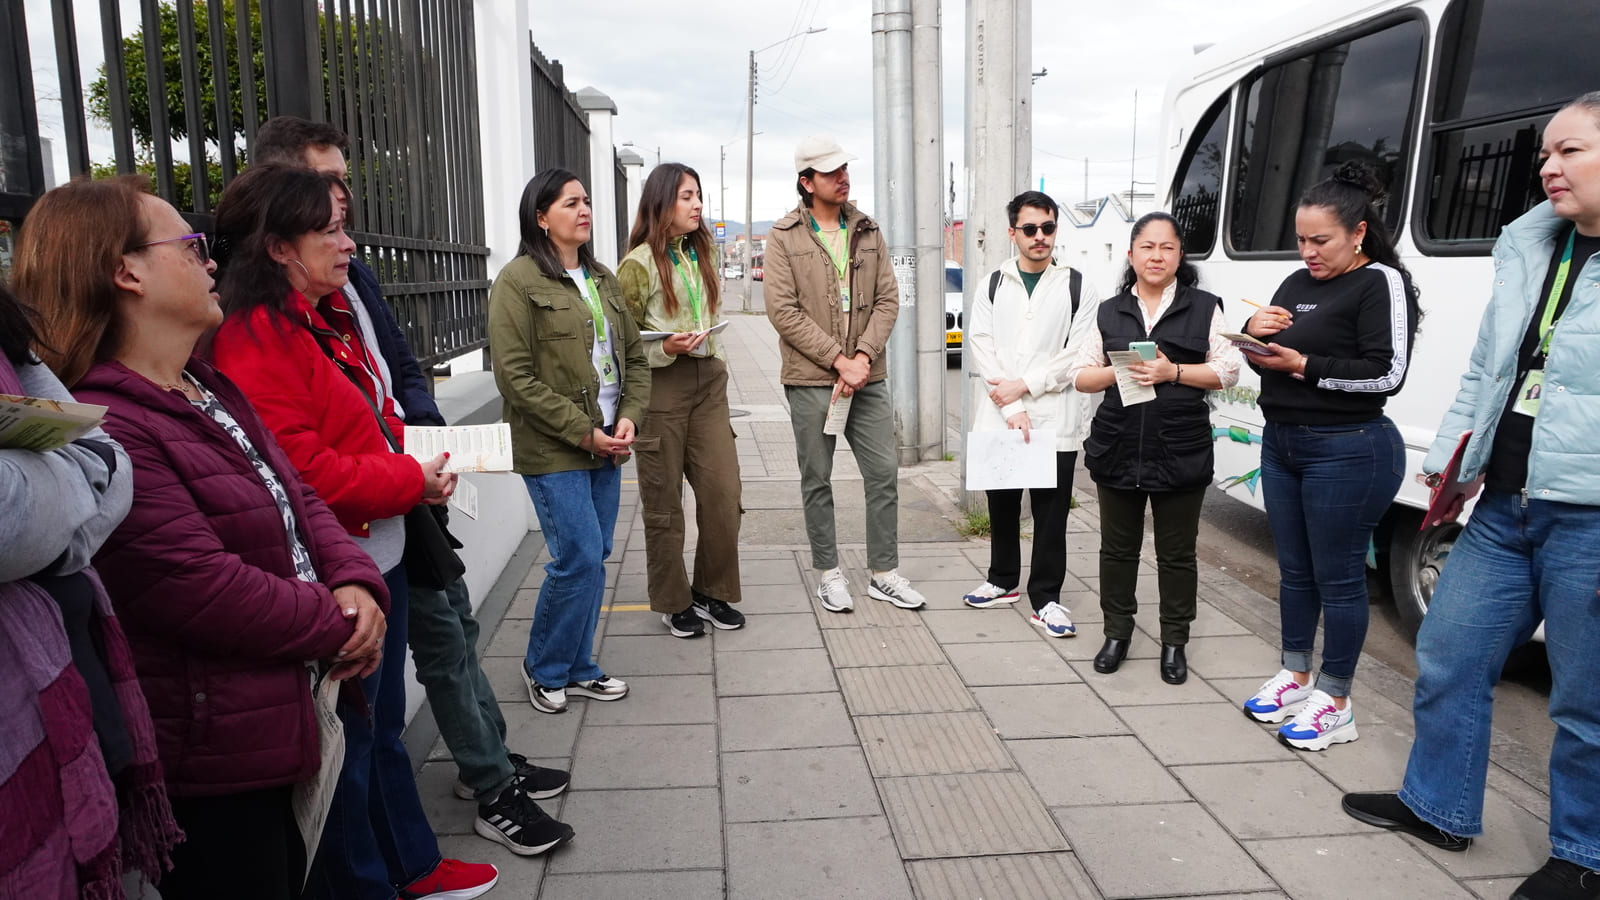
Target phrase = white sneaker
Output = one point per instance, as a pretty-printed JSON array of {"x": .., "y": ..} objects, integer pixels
[
  {"x": 1280, "y": 698},
  {"x": 1319, "y": 724},
  {"x": 986, "y": 595},
  {"x": 834, "y": 591},
  {"x": 1052, "y": 618},
  {"x": 893, "y": 587}
]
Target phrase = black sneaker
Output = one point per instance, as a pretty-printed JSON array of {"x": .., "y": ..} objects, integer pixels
[
  {"x": 537, "y": 782},
  {"x": 683, "y": 623},
  {"x": 517, "y": 822},
  {"x": 1386, "y": 810},
  {"x": 718, "y": 613},
  {"x": 1560, "y": 880}
]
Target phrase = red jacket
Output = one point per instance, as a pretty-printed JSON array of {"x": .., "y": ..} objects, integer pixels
[
  {"x": 203, "y": 582},
  {"x": 317, "y": 413}
]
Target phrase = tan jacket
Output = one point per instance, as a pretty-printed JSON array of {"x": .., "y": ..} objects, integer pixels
[{"x": 802, "y": 291}]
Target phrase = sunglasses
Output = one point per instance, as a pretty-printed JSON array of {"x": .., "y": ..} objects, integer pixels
[
  {"x": 1031, "y": 229},
  {"x": 197, "y": 245}
]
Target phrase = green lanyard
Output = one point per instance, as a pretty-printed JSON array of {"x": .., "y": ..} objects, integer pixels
[
  {"x": 597, "y": 313},
  {"x": 840, "y": 263},
  {"x": 693, "y": 289},
  {"x": 1547, "y": 324}
]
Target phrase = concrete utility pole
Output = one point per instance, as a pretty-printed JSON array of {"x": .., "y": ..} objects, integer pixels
[
  {"x": 928, "y": 160},
  {"x": 897, "y": 213},
  {"x": 999, "y": 146},
  {"x": 749, "y": 185}
]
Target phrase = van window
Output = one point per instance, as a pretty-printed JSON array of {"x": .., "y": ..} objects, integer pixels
[
  {"x": 1197, "y": 194},
  {"x": 1306, "y": 116},
  {"x": 1502, "y": 73},
  {"x": 952, "y": 279}
]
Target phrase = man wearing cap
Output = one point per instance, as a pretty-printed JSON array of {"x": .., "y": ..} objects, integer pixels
[{"x": 831, "y": 295}]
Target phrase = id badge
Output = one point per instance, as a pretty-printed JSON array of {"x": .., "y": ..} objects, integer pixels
[
  {"x": 1528, "y": 393},
  {"x": 844, "y": 299},
  {"x": 608, "y": 371}
]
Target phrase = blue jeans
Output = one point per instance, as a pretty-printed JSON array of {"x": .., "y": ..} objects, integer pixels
[
  {"x": 376, "y": 835},
  {"x": 1512, "y": 566},
  {"x": 578, "y": 512},
  {"x": 444, "y": 643},
  {"x": 1326, "y": 487}
]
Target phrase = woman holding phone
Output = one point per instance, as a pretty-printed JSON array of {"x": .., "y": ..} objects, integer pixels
[
  {"x": 669, "y": 279},
  {"x": 1156, "y": 450}
]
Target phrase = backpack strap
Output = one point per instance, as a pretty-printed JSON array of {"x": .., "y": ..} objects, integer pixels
[{"x": 994, "y": 285}]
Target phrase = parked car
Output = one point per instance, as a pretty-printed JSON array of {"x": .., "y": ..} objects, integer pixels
[
  {"x": 732, "y": 271},
  {"x": 952, "y": 311},
  {"x": 758, "y": 272}
]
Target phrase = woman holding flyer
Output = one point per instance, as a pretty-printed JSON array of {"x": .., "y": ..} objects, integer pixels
[
  {"x": 669, "y": 279},
  {"x": 1339, "y": 333},
  {"x": 1150, "y": 441}
]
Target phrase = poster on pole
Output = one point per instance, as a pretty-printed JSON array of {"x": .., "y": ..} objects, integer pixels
[{"x": 905, "y": 277}]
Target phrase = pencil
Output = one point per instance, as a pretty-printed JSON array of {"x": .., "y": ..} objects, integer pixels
[{"x": 1251, "y": 302}]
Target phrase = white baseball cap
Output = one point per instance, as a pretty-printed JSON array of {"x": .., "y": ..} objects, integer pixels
[{"x": 821, "y": 153}]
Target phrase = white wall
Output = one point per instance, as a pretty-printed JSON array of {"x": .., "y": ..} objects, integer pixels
[{"x": 505, "y": 120}]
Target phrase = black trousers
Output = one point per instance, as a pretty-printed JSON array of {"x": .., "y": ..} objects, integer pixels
[
  {"x": 1049, "y": 565},
  {"x": 240, "y": 846},
  {"x": 1177, "y": 525}
]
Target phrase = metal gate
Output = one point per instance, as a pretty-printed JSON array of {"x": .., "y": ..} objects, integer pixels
[{"x": 561, "y": 131}]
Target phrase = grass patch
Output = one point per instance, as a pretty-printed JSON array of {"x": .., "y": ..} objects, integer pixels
[{"x": 974, "y": 523}]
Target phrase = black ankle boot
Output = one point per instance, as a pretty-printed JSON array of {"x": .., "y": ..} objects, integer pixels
[
  {"x": 1174, "y": 665},
  {"x": 1111, "y": 655}
]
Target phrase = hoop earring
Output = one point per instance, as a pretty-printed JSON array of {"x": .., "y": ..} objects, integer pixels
[{"x": 302, "y": 268}]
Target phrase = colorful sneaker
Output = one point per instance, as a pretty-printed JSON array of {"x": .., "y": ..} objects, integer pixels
[
  {"x": 1052, "y": 618},
  {"x": 1319, "y": 724},
  {"x": 722, "y": 616},
  {"x": 452, "y": 879},
  {"x": 986, "y": 595},
  {"x": 834, "y": 591},
  {"x": 603, "y": 688},
  {"x": 1280, "y": 698},
  {"x": 545, "y": 700},
  {"x": 516, "y": 822},
  {"x": 537, "y": 782},
  {"x": 893, "y": 587},
  {"x": 683, "y": 623}
]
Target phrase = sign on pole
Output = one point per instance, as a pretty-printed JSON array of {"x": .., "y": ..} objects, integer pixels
[{"x": 722, "y": 232}]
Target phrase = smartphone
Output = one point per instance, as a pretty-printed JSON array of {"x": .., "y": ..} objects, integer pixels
[{"x": 1145, "y": 349}]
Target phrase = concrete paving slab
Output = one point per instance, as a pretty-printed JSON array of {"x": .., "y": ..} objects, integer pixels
[
  {"x": 1095, "y": 771},
  {"x": 446, "y": 813},
  {"x": 505, "y": 677},
  {"x": 897, "y": 646},
  {"x": 628, "y": 655},
  {"x": 1046, "y": 711},
  {"x": 1267, "y": 800},
  {"x": 634, "y": 622},
  {"x": 1375, "y": 762},
  {"x": 1515, "y": 843},
  {"x": 641, "y": 831},
  {"x": 657, "y": 700},
  {"x": 972, "y": 626},
  {"x": 770, "y": 599},
  {"x": 510, "y": 639},
  {"x": 1015, "y": 662},
  {"x": 776, "y": 631},
  {"x": 758, "y": 572},
  {"x": 645, "y": 756},
  {"x": 537, "y": 735},
  {"x": 1340, "y": 867},
  {"x": 1492, "y": 888},
  {"x": 931, "y": 744},
  {"x": 948, "y": 594},
  {"x": 849, "y": 859},
  {"x": 705, "y": 884},
  {"x": 524, "y": 602},
  {"x": 968, "y": 815},
  {"x": 784, "y": 721},
  {"x": 520, "y": 876},
  {"x": 1160, "y": 850},
  {"x": 1091, "y": 635},
  {"x": 1231, "y": 656},
  {"x": 747, "y": 672},
  {"x": 903, "y": 689},
  {"x": 1200, "y": 733},
  {"x": 784, "y": 785},
  {"x": 1032, "y": 876},
  {"x": 1138, "y": 683},
  {"x": 940, "y": 567}
]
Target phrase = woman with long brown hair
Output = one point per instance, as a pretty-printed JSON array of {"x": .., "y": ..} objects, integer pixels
[{"x": 669, "y": 278}]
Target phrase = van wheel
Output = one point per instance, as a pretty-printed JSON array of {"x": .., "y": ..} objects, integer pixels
[{"x": 1415, "y": 559}]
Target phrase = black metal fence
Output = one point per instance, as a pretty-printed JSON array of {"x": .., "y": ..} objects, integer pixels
[
  {"x": 179, "y": 98},
  {"x": 561, "y": 130}
]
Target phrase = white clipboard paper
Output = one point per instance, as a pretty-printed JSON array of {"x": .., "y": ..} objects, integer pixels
[{"x": 999, "y": 460}]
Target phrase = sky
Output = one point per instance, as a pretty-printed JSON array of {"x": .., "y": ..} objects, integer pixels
[{"x": 679, "y": 83}]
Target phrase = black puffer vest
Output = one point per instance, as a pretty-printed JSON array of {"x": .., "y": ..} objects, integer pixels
[{"x": 1163, "y": 445}]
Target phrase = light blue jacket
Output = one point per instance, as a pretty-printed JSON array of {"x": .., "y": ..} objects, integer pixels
[{"x": 1565, "y": 463}]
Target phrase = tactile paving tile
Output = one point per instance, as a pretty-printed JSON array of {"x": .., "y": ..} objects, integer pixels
[
  {"x": 931, "y": 744},
  {"x": 867, "y": 613},
  {"x": 904, "y": 689},
  {"x": 892, "y": 646},
  {"x": 968, "y": 815},
  {"x": 1034, "y": 876}
]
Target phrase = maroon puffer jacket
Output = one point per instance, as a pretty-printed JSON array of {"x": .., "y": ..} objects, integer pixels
[{"x": 201, "y": 575}]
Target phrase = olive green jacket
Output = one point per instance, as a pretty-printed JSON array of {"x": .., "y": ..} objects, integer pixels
[
  {"x": 541, "y": 340},
  {"x": 641, "y": 287}
]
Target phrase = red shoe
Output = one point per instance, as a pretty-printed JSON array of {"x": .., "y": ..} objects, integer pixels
[{"x": 452, "y": 879}]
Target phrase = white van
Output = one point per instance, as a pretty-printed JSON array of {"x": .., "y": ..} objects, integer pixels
[{"x": 1446, "y": 99}]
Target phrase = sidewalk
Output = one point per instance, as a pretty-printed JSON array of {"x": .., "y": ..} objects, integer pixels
[{"x": 943, "y": 754}]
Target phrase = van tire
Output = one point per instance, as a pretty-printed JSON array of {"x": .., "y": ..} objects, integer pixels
[{"x": 1414, "y": 561}]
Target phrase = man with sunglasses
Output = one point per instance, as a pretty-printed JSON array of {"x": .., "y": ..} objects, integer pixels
[{"x": 1022, "y": 318}]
